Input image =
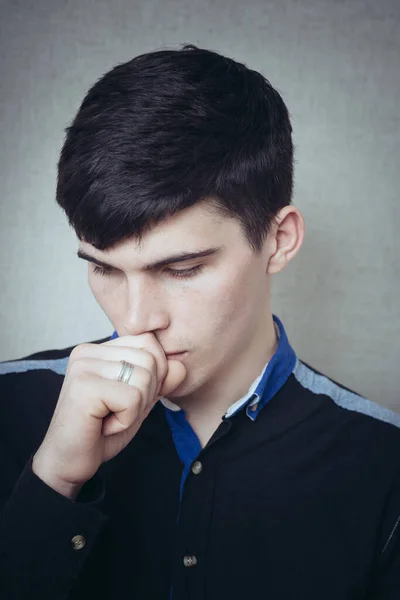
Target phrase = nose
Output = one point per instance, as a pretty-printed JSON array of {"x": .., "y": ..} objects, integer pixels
[{"x": 146, "y": 308}]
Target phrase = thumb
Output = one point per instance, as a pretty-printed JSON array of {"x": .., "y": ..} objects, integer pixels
[{"x": 175, "y": 375}]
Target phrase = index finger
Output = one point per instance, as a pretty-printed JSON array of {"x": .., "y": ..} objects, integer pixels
[{"x": 145, "y": 341}]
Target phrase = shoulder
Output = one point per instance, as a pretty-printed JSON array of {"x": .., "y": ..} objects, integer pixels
[
  {"x": 351, "y": 403},
  {"x": 361, "y": 430}
]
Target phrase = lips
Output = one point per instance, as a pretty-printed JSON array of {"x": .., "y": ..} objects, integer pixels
[{"x": 176, "y": 355}]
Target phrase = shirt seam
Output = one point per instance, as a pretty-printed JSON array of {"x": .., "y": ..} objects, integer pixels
[{"x": 391, "y": 535}]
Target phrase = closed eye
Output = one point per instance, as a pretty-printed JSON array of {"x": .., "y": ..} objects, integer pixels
[
  {"x": 183, "y": 273},
  {"x": 101, "y": 270}
]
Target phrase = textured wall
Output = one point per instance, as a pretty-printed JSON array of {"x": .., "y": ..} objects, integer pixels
[{"x": 336, "y": 63}]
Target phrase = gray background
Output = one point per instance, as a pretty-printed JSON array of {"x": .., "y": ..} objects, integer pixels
[{"x": 336, "y": 64}]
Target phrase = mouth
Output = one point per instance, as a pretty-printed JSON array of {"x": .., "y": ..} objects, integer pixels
[{"x": 176, "y": 355}]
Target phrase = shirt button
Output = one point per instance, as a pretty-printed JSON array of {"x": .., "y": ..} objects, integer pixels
[
  {"x": 254, "y": 407},
  {"x": 78, "y": 542},
  {"x": 189, "y": 561},
  {"x": 197, "y": 467}
]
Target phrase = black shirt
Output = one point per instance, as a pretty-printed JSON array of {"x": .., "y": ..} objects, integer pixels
[{"x": 302, "y": 501}]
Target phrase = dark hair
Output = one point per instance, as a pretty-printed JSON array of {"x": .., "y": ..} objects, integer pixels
[{"x": 168, "y": 129}]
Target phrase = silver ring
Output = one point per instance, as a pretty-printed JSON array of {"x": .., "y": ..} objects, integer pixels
[{"x": 125, "y": 372}]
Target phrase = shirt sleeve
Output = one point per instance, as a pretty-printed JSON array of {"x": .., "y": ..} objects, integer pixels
[{"x": 45, "y": 538}]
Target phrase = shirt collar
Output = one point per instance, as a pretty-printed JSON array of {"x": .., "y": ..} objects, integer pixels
[
  {"x": 234, "y": 407},
  {"x": 266, "y": 385}
]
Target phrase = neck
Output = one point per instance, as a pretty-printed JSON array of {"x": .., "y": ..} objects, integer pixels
[{"x": 205, "y": 408}]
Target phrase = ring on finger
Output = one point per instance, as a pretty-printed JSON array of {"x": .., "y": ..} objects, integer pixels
[{"x": 125, "y": 372}]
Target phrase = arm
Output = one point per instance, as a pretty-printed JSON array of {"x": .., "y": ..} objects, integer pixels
[
  {"x": 95, "y": 418},
  {"x": 40, "y": 555}
]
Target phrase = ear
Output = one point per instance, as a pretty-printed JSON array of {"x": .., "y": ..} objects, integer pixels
[{"x": 286, "y": 238}]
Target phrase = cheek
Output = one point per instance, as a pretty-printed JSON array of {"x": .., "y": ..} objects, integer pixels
[
  {"x": 220, "y": 304},
  {"x": 109, "y": 302},
  {"x": 234, "y": 311}
]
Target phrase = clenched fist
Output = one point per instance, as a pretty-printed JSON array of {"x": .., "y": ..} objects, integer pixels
[{"x": 97, "y": 416}]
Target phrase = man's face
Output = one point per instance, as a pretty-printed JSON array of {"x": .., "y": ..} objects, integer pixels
[{"x": 214, "y": 311}]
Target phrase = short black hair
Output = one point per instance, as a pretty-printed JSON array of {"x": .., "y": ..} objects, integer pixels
[{"x": 170, "y": 128}]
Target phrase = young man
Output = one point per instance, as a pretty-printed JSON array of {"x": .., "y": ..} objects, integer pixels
[{"x": 192, "y": 454}]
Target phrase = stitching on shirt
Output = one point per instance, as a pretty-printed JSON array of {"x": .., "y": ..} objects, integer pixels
[{"x": 391, "y": 535}]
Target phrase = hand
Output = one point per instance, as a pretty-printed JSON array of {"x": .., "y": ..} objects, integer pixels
[{"x": 97, "y": 416}]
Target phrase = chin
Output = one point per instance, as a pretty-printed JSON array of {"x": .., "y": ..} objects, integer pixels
[
  {"x": 182, "y": 390},
  {"x": 188, "y": 387}
]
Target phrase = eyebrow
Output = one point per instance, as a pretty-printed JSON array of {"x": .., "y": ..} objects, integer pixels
[{"x": 169, "y": 260}]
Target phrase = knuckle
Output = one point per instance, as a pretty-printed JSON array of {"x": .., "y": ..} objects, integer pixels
[
  {"x": 136, "y": 397},
  {"x": 147, "y": 378},
  {"x": 162, "y": 372},
  {"x": 152, "y": 362},
  {"x": 149, "y": 360},
  {"x": 135, "y": 400},
  {"x": 79, "y": 351},
  {"x": 145, "y": 338},
  {"x": 77, "y": 367},
  {"x": 138, "y": 405}
]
